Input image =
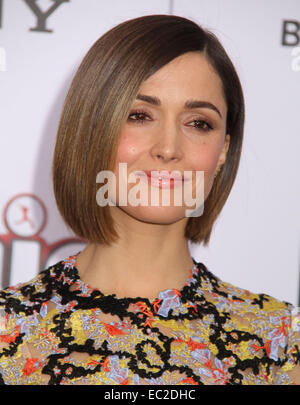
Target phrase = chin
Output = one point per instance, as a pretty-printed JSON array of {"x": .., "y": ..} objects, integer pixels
[{"x": 156, "y": 215}]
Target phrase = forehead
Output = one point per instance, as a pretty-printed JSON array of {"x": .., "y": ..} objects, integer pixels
[{"x": 186, "y": 77}]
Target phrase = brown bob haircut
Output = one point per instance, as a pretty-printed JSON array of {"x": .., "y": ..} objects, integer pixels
[{"x": 98, "y": 104}]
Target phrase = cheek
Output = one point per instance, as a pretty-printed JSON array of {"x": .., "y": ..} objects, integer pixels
[
  {"x": 205, "y": 159},
  {"x": 128, "y": 150}
]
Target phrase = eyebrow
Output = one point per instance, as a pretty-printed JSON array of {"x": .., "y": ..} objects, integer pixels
[{"x": 188, "y": 104}]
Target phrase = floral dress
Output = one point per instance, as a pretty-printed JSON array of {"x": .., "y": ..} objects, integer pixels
[{"x": 57, "y": 329}]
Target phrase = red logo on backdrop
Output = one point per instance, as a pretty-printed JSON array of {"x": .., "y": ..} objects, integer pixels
[{"x": 25, "y": 217}]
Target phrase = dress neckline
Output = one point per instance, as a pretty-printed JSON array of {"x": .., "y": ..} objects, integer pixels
[
  {"x": 169, "y": 299},
  {"x": 71, "y": 264}
]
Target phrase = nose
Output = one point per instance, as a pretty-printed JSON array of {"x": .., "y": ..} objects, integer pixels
[{"x": 167, "y": 145}]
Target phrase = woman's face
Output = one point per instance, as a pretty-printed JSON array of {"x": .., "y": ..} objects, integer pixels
[{"x": 161, "y": 133}]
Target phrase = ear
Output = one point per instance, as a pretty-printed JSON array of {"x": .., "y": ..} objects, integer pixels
[{"x": 223, "y": 154}]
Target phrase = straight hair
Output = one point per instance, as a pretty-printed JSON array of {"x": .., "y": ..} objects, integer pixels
[{"x": 98, "y": 103}]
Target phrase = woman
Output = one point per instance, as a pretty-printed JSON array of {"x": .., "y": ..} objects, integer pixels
[{"x": 156, "y": 93}]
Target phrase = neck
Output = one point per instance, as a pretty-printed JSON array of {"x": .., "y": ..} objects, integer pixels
[{"x": 146, "y": 259}]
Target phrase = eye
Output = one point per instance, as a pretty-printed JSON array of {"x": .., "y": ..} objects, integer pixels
[
  {"x": 139, "y": 116},
  {"x": 202, "y": 125}
]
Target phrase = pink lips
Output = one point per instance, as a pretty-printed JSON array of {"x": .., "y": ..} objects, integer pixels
[{"x": 161, "y": 178}]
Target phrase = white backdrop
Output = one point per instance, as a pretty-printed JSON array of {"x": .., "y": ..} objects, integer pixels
[{"x": 255, "y": 243}]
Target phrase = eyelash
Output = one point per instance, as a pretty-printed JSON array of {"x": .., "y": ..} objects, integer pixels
[{"x": 142, "y": 121}]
